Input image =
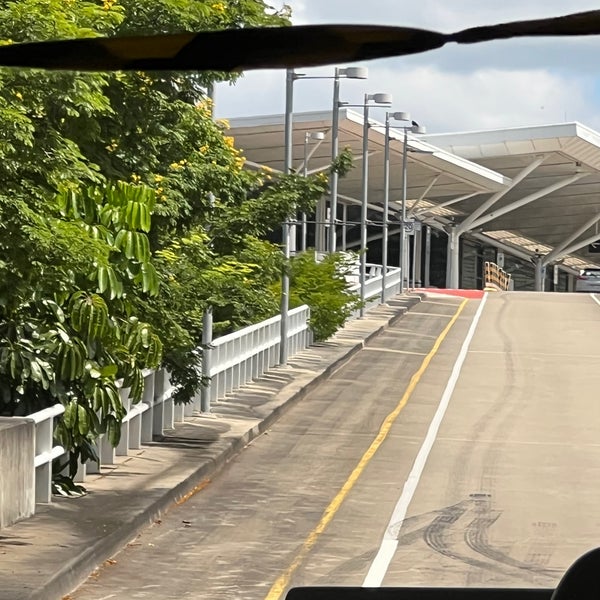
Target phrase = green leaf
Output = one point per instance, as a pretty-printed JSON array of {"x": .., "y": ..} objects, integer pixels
[
  {"x": 83, "y": 422},
  {"x": 70, "y": 415},
  {"x": 109, "y": 371},
  {"x": 113, "y": 431}
]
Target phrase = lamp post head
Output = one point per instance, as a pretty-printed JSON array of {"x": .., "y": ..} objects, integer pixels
[
  {"x": 354, "y": 72},
  {"x": 400, "y": 116},
  {"x": 380, "y": 98},
  {"x": 416, "y": 128},
  {"x": 317, "y": 135}
]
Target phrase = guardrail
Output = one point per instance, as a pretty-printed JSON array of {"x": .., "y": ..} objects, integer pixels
[
  {"x": 234, "y": 360},
  {"x": 45, "y": 450},
  {"x": 374, "y": 283},
  {"x": 244, "y": 355},
  {"x": 496, "y": 278}
]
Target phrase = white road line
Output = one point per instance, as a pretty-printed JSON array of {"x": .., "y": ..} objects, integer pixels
[
  {"x": 594, "y": 298},
  {"x": 389, "y": 543},
  {"x": 371, "y": 349}
]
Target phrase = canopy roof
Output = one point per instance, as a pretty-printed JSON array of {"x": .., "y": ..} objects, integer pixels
[{"x": 527, "y": 190}]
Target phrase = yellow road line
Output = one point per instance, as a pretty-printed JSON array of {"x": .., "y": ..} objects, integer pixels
[{"x": 279, "y": 587}]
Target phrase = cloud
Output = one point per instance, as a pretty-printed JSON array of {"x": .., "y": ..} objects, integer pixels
[
  {"x": 504, "y": 83},
  {"x": 432, "y": 14},
  {"x": 486, "y": 98},
  {"x": 444, "y": 101}
]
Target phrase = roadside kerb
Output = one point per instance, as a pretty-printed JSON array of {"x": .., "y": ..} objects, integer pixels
[{"x": 97, "y": 526}]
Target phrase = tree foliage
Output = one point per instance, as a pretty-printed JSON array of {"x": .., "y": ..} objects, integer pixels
[
  {"x": 125, "y": 212},
  {"x": 323, "y": 286}
]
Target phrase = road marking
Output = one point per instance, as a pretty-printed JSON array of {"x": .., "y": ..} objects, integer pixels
[
  {"x": 595, "y": 299},
  {"x": 542, "y": 354},
  {"x": 282, "y": 582},
  {"x": 371, "y": 349},
  {"x": 413, "y": 333},
  {"x": 426, "y": 314},
  {"x": 454, "y": 304},
  {"x": 389, "y": 543}
]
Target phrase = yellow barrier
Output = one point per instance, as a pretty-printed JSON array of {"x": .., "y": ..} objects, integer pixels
[{"x": 496, "y": 278}]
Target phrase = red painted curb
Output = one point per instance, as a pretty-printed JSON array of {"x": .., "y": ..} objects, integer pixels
[{"x": 471, "y": 294}]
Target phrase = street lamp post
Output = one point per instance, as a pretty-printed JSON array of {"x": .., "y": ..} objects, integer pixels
[
  {"x": 308, "y": 135},
  {"x": 348, "y": 73},
  {"x": 370, "y": 100},
  {"x": 414, "y": 128},
  {"x": 291, "y": 76},
  {"x": 398, "y": 116}
]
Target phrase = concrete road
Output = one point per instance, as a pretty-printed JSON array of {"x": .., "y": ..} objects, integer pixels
[{"x": 355, "y": 486}]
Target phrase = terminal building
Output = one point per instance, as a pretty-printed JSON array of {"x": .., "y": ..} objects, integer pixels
[{"x": 526, "y": 198}]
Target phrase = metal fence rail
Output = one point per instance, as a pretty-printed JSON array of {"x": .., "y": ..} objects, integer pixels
[
  {"x": 240, "y": 357},
  {"x": 236, "y": 359},
  {"x": 496, "y": 278},
  {"x": 45, "y": 450},
  {"x": 233, "y": 360},
  {"x": 374, "y": 283}
]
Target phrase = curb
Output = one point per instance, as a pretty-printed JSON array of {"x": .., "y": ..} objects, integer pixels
[{"x": 76, "y": 571}]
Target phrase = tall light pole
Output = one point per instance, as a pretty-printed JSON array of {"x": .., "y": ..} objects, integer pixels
[
  {"x": 370, "y": 100},
  {"x": 288, "y": 239},
  {"x": 348, "y": 73},
  {"x": 308, "y": 135},
  {"x": 397, "y": 116},
  {"x": 414, "y": 128}
]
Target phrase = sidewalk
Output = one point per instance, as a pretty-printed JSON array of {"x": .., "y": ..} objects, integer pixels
[{"x": 47, "y": 556}]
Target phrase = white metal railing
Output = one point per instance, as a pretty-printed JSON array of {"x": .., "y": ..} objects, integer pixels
[
  {"x": 374, "y": 284},
  {"x": 235, "y": 359},
  {"x": 244, "y": 355},
  {"x": 45, "y": 450}
]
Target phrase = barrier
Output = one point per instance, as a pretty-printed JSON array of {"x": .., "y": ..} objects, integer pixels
[
  {"x": 496, "y": 278},
  {"x": 373, "y": 286},
  {"x": 235, "y": 360}
]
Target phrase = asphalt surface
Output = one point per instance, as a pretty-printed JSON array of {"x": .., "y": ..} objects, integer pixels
[
  {"x": 235, "y": 537},
  {"x": 48, "y": 555},
  {"x": 507, "y": 496}
]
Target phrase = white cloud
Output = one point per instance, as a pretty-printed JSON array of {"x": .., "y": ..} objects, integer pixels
[
  {"x": 484, "y": 98},
  {"x": 508, "y": 83}
]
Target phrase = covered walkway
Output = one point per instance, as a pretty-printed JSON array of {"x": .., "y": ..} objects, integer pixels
[{"x": 529, "y": 193}]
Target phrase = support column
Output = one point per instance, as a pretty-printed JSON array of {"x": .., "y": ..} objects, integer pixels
[
  {"x": 344, "y": 225},
  {"x": 453, "y": 258},
  {"x": 418, "y": 259},
  {"x": 540, "y": 272},
  {"x": 427, "y": 278}
]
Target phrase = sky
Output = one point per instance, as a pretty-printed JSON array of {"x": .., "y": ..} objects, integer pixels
[{"x": 508, "y": 83}]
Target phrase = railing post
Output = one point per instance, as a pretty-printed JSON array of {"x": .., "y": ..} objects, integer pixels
[
  {"x": 43, "y": 473},
  {"x": 207, "y": 338},
  {"x": 148, "y": 415}
]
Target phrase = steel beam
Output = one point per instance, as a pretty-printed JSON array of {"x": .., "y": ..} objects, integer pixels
[
  {"x": 559, "y": 252},
  {"x": 581, "y": 244},
  {"x": 422, "y": 196},
  {"x": 468, "y": 223},
  {"x": 526, "y": 200},
  {"x": 424, "y": 211}
]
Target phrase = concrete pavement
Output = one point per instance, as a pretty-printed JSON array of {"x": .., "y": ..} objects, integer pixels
[
  {"x": 46, "y": 556},
  {"x": 242, "y": 531},
  {"x": 508, "y": 495}
]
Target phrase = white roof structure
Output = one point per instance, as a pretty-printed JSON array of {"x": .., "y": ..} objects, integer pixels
[
  {"x": 262, "y": 141},
  {"x": 528, "y": 190},
  {"x": 553, "y": 206}
]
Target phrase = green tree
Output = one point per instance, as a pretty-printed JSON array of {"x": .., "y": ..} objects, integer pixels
[{"x": 323, "y": 286}]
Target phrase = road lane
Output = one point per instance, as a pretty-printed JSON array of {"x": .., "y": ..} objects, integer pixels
[
  {"x": 239, "y": 534},
  {"x": 510, "y": 494}
]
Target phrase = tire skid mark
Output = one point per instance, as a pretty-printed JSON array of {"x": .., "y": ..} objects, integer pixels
[
  {"x": 476, "y": 538},
  {"x": 437, "y": 537}
]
